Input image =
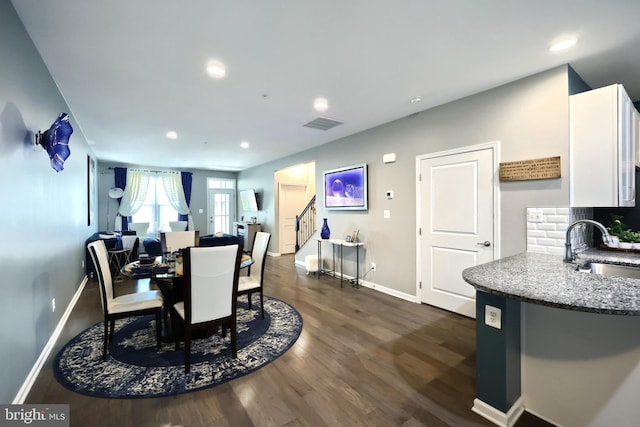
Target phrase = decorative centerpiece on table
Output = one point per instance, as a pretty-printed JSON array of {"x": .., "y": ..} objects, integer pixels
[{"x": 622, "y": 235}]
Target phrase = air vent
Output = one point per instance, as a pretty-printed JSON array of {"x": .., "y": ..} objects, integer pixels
[{"x": 323, "y": 123}]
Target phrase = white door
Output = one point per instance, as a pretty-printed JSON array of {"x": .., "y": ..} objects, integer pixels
[
  {"x": 221, "y": 209},
  {"x": 456, "y": 217},
  {"x": 292, "y": 199}
]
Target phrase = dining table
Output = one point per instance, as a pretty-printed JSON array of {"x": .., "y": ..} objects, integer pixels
[{"x": 167, "y": 275}]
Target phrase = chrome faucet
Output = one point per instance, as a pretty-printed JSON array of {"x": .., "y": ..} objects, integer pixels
[{"x": 569, "y": 255}]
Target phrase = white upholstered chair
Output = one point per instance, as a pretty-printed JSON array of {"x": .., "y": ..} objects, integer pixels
[
  {"x": 175, "y": 240},
  {"x": 248, "y": 285},
  {"x": 178, "y": 225},
  {"x": 210, "y": 290},
  {"x": 136, "y": 304}
]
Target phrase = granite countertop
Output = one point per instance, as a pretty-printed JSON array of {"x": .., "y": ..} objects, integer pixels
[{"x": 545, "y": 279}]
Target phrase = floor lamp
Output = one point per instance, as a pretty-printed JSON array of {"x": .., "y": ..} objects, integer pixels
[{"x": 114, "y": 193}]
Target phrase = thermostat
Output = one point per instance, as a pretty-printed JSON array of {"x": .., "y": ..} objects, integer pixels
[
  {"x": 389, "y": 158},
  {"x": 389, "y": 194}
]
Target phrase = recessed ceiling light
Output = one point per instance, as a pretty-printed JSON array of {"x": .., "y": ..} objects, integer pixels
[
  {"x": 321, "y": 104},
  {"x": 415, "y": 99},
  {"x": 216, "y": 69},
  {"x": 172, "y": 135},
  {"x": 244, "y": 144},
  {"x": 562, "y": 43}
]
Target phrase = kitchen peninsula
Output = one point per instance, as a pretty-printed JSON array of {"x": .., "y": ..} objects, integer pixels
[
  {"x": 582, "y": 324},
  {"x": 545, "y": 279}
]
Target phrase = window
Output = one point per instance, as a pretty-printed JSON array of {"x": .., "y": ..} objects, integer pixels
[
  {"x": 156, "y": 208},
  {"x": 221, "y": 195}
]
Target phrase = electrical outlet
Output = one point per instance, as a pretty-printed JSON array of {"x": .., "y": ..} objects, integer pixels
[
  {"x": 373, "y": 266},
  {"x": 493, "y": 317},
  {"x": 53, "y": 305},
  {"x": 534, "y": 215}
]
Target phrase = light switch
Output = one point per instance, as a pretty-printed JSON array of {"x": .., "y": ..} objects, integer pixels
[
  {"x": 200, "y": 210},
  {"x": 493, "y": 316},
  {"x": 387, "y": 214}
]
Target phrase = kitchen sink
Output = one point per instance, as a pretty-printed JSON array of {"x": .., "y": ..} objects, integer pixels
[{"x": 610, "y": 270}]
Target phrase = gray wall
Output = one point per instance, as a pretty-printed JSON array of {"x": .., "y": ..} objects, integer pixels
[
  {"x": 44, "y": 213},
  {"x": 530, "y": 119}
]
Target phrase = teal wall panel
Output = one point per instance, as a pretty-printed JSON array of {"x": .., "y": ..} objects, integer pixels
[{"x": 498, "y": 353}]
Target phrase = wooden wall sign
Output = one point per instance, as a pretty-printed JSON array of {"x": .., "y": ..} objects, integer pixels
[{"x": 524, "y": 170}]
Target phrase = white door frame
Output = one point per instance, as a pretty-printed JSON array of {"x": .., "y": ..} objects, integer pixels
[
  {"x": 495, "y": 146},
  {"x": 232, "y": 208},
  {"x": 280, "y": 219}
]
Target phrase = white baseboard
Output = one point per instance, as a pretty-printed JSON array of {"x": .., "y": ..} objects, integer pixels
[
  {"x": 46, "y": 351},
  {"x": 389, "y": 291},
  {"x": 497, "y": 417},
  {"x": 374, "y": 286}
]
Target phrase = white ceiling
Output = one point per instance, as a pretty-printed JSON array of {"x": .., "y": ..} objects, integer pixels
[{"x": 131, "y": 71}]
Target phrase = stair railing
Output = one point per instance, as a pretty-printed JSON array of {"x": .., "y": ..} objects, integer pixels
[{"x": 306, "y": 223}]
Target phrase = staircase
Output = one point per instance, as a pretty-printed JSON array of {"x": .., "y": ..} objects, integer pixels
[{"x": 306, "y": 224}]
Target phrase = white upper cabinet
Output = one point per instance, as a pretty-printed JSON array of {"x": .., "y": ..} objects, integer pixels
[
  {"x": 636, "y": 133},
  {"x": 603, "y": 138}
]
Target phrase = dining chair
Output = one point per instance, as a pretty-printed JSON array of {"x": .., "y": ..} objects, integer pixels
[
  {"x": 123, "y": 306},
  {"x": 121, "y": 255},
  {"x": 210, "y": 287},
  {"x": 252, "y": 283},
  {"x": 178, "y": 225},
  {"x": 130, "y": 243},
  {"x": 175, "y": 240}
]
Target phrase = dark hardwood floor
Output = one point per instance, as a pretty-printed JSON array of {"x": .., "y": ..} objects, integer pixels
[{"x": 363, "y": 359}]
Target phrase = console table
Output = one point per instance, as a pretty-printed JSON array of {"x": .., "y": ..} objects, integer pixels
[
  {"x": 246, "y": 231},
  {"x": 341, "y": 244}
]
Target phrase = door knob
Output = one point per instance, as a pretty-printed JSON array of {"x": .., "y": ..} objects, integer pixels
[{"x": 485, "y": 243}]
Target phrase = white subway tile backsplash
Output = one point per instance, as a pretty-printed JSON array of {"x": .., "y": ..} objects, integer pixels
[
  {"x": 536, "y": 233},
  {"x": 547, "y": 211},
  {"x": 548, "y": 242},
  {"x": 557, "y": 219},
  {"x": 559, "y": 235},
  {"x": 549, "y": 227},
  {"x": 549, "y": 235}
]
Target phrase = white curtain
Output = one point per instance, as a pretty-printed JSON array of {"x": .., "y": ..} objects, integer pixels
[
  {"x": 134, "y": 194},
  {"x": 175, "y": 193}
]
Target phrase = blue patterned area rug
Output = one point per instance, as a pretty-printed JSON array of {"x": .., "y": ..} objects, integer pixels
[{"x": 135, "y": 369}]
